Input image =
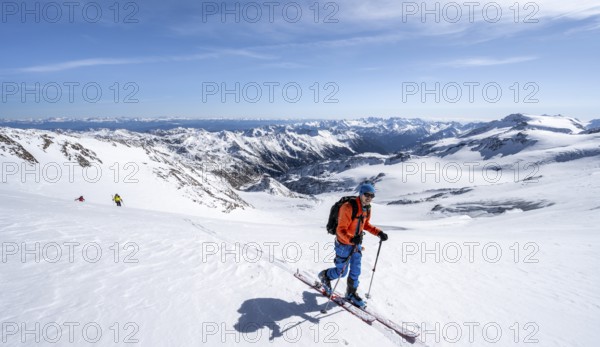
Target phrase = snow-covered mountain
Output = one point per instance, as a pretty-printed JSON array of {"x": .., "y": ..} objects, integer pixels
[
  {"x": 211, "y": 168},
  {"x": 547, "y": 138},
  {"x": 205, "y": 167},
  {"x": 594, "y": 125}
]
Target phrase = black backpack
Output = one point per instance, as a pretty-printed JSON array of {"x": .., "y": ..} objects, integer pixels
[{"x": 332, "y": 223}]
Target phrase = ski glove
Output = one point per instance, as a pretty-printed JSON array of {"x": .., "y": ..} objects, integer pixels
[
  {"x": 383, "y": 236},
  {"x": 357, "y": 239}
]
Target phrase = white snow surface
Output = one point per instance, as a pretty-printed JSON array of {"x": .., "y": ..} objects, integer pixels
[{"x": 161, "y": 271}]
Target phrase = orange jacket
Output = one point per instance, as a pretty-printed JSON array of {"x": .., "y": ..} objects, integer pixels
[{"x": 347, "y": 226}]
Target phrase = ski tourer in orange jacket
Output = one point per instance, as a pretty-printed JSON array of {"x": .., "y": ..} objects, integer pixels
[
  {"x": 347, "y": 226},
  {"x": 348, "y": 249}
]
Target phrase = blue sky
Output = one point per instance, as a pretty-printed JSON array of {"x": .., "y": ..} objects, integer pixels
[{"x": 300, "y": 59}]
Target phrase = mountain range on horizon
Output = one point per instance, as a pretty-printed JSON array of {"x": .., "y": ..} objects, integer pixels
[{"x": 147, "y": 124}]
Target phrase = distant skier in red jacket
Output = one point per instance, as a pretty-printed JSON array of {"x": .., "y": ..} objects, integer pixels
[{"x": 81, "y": 199}]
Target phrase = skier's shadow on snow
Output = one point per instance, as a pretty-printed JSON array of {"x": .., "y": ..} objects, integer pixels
[{"x": 261, "y": 313}]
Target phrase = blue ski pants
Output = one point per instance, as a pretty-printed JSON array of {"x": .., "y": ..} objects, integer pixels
[{"x": 342, "y": 253}]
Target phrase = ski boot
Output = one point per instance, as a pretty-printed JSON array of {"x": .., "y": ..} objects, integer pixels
[
  {"x": 352, "y": 295},
  {"x": 325, "y": 282}
]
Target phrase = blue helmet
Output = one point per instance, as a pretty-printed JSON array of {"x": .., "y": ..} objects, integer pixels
[{"x": 367, "y": 188}]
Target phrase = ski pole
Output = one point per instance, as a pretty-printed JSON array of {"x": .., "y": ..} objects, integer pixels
[{"x": 374, "y": 266}]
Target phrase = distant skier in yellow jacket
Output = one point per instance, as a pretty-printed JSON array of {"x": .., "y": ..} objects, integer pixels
[{"x": 117, "y": 199}]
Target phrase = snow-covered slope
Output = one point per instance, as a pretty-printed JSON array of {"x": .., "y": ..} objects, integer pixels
[
  {"x": 466, "y": 274},
  {"x": 135, "y": 277},
  {"x": 69, "y": 165}
]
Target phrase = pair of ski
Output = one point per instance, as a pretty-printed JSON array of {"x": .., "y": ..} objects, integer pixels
[{"x": 365, "y": 314}]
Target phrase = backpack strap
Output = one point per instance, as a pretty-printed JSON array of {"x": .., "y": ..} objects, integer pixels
[{"x": 354, "y": 208}]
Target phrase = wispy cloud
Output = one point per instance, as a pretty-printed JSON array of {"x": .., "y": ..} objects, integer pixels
[
  {"x": 473, "y": 24},
  {"x": 284, "y": 65},
  {"x": 590, "y": 27},
  {"x": 74, "y": 64},
  {"x": 356, "y": 40},
  {"x": 378, "y": 10},
  {"x": 93, "y": 62},
  {"x": 244, "y": 53},
  {"x": 477, "y": 62}
]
